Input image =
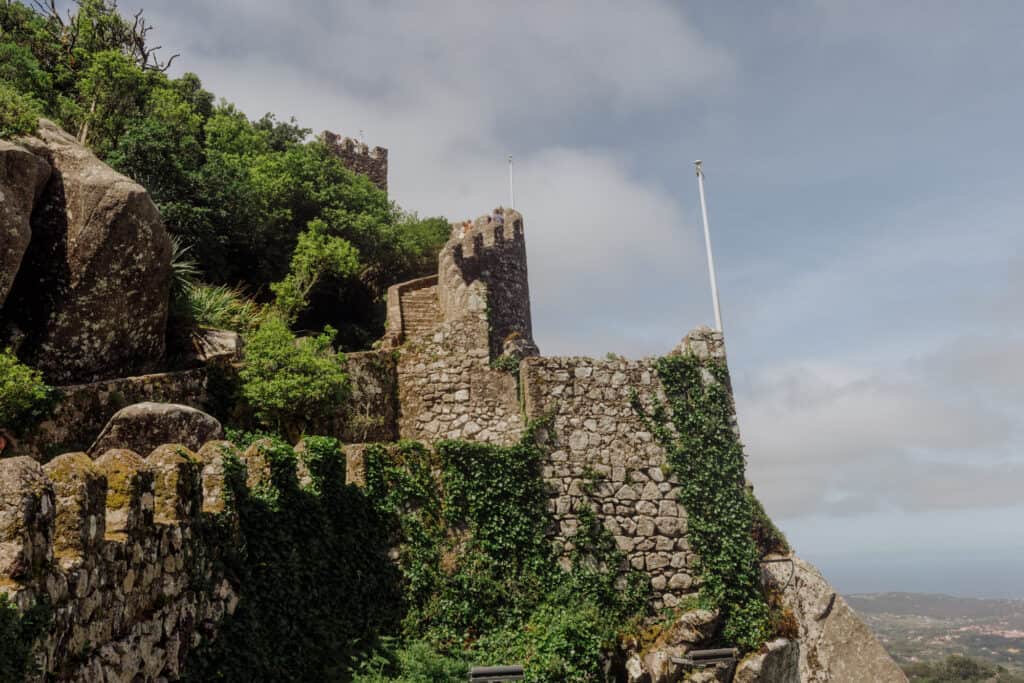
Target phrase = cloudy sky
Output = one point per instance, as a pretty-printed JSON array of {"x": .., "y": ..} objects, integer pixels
[{"x": 864, "y": 173}]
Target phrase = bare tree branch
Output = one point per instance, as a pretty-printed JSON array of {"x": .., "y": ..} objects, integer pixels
[{"x": 50, "y": 10}]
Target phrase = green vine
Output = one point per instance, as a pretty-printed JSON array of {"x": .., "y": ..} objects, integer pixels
[
  {"x": 696, "y": 429},
  {"x": 17, "y": 634},
  {"x": 310, "y": 564},
  {"x": 506, "y": 363},
  {"x": 483, "y": 583}
]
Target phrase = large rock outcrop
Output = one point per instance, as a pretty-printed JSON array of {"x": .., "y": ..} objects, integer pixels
[
  {"x": 92, "y": 292},
  {"x": 22, "y": 178},
  {"x": 144, "y": 426},
  {"x": 778, "y": 662},
  {"x": 835, "y": 645}
]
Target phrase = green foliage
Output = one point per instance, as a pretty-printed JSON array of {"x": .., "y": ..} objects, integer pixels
[
  {"x": 708, "y": 459},
  {"x": 241, "y": 194},
  {"x": 112, "y": 90},
  {"x": 17, "y": 632},
  {"x": 183, "y": 267},
  {"x": 482, "y": 580},
  {"x": 223, "y": 308},
  {"x": 24, "y": 397},
  {"x": 768, "y": 538},
  {"x": 19, "y": 115},
  {"x": 289, "y": 382},
  {"x": 312, "y": 570},
  {"x": 506, "y": 363},
  {"x": 960, "y": 669},
  {"x": 417, "y": 661},
  {"x": 318, "y": 255}
]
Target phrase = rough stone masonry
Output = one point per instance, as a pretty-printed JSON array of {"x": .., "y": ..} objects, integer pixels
[
  {"x": 109, "y": 540},
  {"x": 468, "y": 368}
]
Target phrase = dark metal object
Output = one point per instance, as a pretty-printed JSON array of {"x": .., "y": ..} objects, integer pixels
[
  {"x": 494, "y": 674},
  {"x": 700, "y": 659},
  {"x": 708, "y": 657}
]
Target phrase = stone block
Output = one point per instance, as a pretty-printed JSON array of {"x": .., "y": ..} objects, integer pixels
[
  {"x": 211, "y": 457},
  {"x": 177, "y": 483},
  {"x": 80, "y": 491},
  {"x": 129, "y": 493},
  {"x": 26, "y": 519}
]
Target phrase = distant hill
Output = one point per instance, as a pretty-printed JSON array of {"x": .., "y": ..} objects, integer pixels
[
  {"x": 935, "y": 605},
  {"x": 924, "y": 627}
]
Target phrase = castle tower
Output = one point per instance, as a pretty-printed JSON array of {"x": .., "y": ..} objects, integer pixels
[
  {"x": 490, "y": 251},
  {"x": 358, "y": 157},
  {"x": 481, "y": 276}
]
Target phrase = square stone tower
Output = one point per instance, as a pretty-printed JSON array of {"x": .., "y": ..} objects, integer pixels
[{"x": 359, "y": 157}]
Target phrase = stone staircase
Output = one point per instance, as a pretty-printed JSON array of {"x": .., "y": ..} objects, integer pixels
[{"x": 420, "y": 311}]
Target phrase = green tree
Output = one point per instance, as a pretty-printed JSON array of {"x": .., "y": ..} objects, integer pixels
[
  {"x": 291, "y": 382},
  {"x": 19, "y": 115},
  {"x": 24, "y": 396},
  {"x": 317, "y": 255},
  {"x": 112, "y": 92},
  {"x": 240, "y": 194}
]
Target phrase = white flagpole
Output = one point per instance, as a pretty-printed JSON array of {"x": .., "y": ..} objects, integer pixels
[
  {"x": 707, "y": 244},
  {"x": 511, "y": 192}
]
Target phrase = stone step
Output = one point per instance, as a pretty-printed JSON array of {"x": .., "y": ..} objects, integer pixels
[{"x": 420, "y": 311}]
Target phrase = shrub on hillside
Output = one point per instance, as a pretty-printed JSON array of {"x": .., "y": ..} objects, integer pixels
[
  {"x": 291, "y": 382},
  {"x": 223, "y": 308},
  {"x": 24, "y": 396},
  {"x": 960, "y": 669},
  {"x": 19, "y": 115}
]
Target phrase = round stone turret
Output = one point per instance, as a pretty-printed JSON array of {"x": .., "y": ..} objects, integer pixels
[{"x": 483, "y": 268}]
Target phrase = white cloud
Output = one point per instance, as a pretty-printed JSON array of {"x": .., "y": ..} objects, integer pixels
[
  {"x": 844, "y": 440},
  {"x": 452, "y": 88},
  {"x": 533, "y": 59}
]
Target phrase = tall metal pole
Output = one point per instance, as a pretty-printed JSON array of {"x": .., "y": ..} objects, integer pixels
[
  {"x": 707, "y": 244},
  {"x": 511, "y": 191}
]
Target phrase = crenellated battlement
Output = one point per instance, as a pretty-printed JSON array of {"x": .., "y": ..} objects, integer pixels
[
  {"x": 114, "y": 546},
  {"x": 483, "y": 268},
  {"x": 359, "y": 157},
  {"x": 503, "y": 228}
]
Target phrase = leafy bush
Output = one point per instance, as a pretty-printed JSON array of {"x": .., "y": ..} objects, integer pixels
[
  {"x": 417, "y": 661},
  {"x": 24, "y": 397},
  {"x": 960, "y": 669},
  {"x": 708, "y": 458},
  {"x": 483, "y": 583},
  {"x": 223, "y": 308},
  {"x": 17, "y": 633},
  {"x": 318, "y": 255},
  {"x": 311, "y": 568},
  {"x": 184, "y": 269},
  {"x": 19, "y": 114},
  {"x": 290, "y": 382},
  {"x": 768, "y": 538}
]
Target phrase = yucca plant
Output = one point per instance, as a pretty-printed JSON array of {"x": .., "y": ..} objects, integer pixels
[
  {"x": 223, "y": 308},
  {"x": 184, "y": 268}
]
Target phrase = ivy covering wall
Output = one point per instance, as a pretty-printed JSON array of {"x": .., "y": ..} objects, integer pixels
[
  {"x": 312, "y": 570},
  {"x": 482, "y": 582},
  {"x": 695, "y": 426}
]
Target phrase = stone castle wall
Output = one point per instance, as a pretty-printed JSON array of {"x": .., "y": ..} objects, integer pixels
[
  {"x": 483, "y": 267},
  {"x": 604, "y": 459},
  {"x": 83, "y": 409},
  {"x": 454, "y": 383},
  {"x": 447, "y": 388},
  {"x": 112, "y": 545},
  {"x": 358, "y": 157}
]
